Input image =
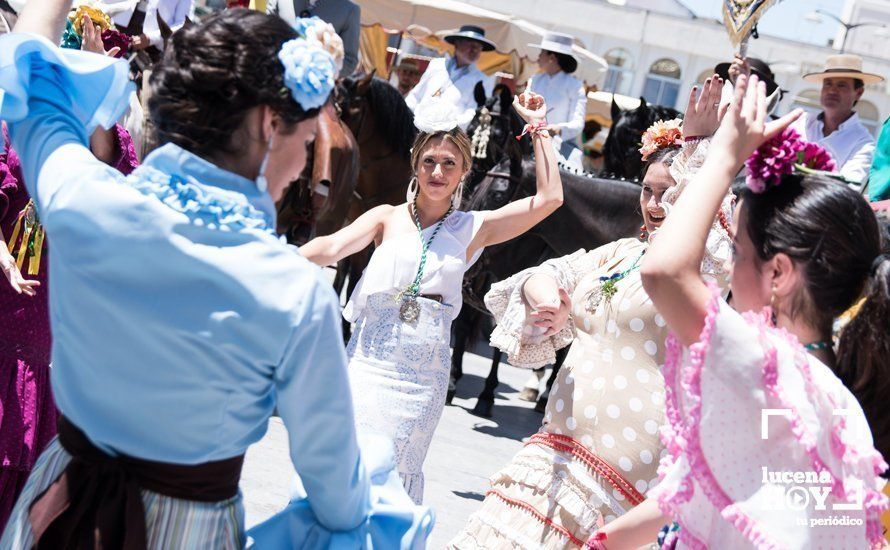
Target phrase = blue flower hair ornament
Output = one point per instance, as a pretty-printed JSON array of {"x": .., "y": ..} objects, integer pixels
[{"x": 309, "y": 70}]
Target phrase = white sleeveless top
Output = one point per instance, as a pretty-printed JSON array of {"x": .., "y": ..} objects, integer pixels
[{"x": 393, "y": 265}]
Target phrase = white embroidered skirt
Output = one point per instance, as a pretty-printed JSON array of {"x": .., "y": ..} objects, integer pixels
[{"x": 398, "y": 373}]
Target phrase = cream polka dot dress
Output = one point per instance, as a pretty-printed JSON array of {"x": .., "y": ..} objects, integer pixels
[{"x": 597, "y": 451}]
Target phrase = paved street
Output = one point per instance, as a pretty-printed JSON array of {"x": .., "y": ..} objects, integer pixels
[{"x": 465, "y": 451}]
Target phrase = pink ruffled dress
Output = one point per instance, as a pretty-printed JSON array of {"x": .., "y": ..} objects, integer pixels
[
  {"x": 27, "y": 410},
  {"x": 766, "y": 447}
]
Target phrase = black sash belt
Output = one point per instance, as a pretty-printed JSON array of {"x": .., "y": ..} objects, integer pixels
[{"x": 96, "y": 503}]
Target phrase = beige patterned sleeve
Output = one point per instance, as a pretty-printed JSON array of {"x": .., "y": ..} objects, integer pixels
[{"x": 525, "y": 344}]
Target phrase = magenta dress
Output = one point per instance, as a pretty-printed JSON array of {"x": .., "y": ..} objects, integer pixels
[{"x": 27, "y": 410}]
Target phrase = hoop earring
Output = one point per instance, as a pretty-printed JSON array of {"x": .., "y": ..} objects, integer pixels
[
  {"x": 413, "y": 186},
  {"x": 457, "y": 196},
  {"x": 773, "y": 317}
]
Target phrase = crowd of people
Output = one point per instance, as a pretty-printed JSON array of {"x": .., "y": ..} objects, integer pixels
[{"x": 726, "y": 361}]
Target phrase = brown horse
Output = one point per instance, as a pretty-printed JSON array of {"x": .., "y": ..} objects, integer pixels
[{"x": 333, "y": 163}]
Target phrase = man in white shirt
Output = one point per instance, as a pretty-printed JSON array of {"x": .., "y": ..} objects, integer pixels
[
  {"x": 838, "y": 128},
  {"x": 453, "y": 78},
  {"x": 173, "y": 12}
]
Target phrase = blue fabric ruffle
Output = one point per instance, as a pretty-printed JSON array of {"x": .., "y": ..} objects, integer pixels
[
  {"x": 98, "y": 86},
  {"x": 201, "y": 206},
  {"x": 394, "y": 521}
]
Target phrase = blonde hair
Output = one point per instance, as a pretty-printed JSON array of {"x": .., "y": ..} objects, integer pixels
[{"x": 455, "y": 136}]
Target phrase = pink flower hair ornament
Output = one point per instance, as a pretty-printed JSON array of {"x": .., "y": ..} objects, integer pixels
[{"x": 783, "y": 155}]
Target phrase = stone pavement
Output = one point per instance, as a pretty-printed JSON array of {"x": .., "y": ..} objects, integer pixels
[{"x": 466, "y": 450}]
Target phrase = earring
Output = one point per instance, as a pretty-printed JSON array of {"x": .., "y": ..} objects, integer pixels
[
  {"x": 772, "y": 307},
  {"x": 411, "y": 194},
  {"x": 457, "y": 196},
  {"x": 644, "y": 233},
  {"x": 261, "y": 183}
]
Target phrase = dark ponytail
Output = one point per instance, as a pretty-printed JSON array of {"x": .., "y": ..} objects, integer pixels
[
  {"x": 832, "y": 233},
  {"x": 863, "y": 358}
]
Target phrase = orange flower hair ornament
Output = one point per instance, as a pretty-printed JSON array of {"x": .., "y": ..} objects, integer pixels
[{"x": 662, "y": 135}]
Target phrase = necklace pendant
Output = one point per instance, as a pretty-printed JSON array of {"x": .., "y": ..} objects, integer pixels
[
  {"x": 593, "y": 299},
  {"x": 410, "y": 309}
]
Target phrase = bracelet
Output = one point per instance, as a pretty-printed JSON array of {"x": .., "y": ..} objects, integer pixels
[
  {"x": 534, "y": 128},
  {"x": 595, "y": 542},
  {"x": 694, "y": 138}
]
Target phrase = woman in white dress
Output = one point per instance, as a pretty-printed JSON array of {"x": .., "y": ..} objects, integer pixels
[
  {"x": 411, "y": 290},
  {"x": 565, "y": 95}
]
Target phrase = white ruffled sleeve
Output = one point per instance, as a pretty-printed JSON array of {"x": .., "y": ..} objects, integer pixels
[{"x": 524, "y": 343}]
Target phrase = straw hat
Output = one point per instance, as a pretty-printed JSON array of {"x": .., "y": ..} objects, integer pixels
[
  {"x": 471, "y": 32},
  {"x": 843, "y": 66},
  {"x": 558, "y": 42}
]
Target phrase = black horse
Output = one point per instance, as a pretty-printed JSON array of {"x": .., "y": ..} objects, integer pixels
[
  {"x": 595, "y": 211},
  {"x": 621, "y": 155}
]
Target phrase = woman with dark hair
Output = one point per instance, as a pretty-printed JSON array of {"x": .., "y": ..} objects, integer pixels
[
  {"x": 766, "y": 446},
  {"x": 597, "y": 451},
  {"x": 565, "y": 95},
  {"x": 180, "y": 319}
]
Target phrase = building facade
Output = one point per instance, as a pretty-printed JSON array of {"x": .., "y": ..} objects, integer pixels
[{"x": 659, "y": 50}]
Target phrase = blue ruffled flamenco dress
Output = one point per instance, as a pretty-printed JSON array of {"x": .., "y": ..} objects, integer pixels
[{"x": 97, "y": 93}]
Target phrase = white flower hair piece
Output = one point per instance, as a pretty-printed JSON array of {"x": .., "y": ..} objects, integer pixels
[
  {"x": 435, "y": 115},
  {"x": 314, "y": 29}
]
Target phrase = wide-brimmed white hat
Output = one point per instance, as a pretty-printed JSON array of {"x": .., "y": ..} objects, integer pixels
[
  {"x": 844, "y": 65},
  {"x": 558, "y": 42}
]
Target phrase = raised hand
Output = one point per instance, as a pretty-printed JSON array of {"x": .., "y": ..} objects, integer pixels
[
  {"x": 703, "y": 114},
  {"x": 530, "y": 106},
  {"x": 738, "y": 67},
  {"x": 92, "y": 39},
  {"x": 745, "y": 126}
]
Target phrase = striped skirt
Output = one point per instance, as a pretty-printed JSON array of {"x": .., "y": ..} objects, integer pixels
[{"x": 171, "y": 523}]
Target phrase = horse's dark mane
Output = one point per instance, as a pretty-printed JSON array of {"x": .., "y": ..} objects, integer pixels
[{"x": 392, "y": 113}]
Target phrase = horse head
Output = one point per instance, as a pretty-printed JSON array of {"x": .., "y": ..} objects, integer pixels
[
  {"x": 492, "y": 132},
  {"x": 621, "y": 150}
]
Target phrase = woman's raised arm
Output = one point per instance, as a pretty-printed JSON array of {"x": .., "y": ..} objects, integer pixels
[
  {"x": 518, "y": 217},
  {"x": 353, "y": 238},
  {"x": 44, "y": 17}
]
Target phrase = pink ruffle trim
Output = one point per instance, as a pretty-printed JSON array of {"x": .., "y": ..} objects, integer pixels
[{"x": 683, "y": 437}]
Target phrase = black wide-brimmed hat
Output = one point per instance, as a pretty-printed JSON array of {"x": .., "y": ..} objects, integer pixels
[
  {"x": 471, "y": 32},
  {"x": 758, "y": 67}
]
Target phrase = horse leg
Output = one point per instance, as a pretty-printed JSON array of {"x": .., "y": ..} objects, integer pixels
[
  {"x": 560, "y": 359},
  {"x": 485, "y": 402},
  {"x": 461, "y": 330},
  {"x": 531, "y": 389}
]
